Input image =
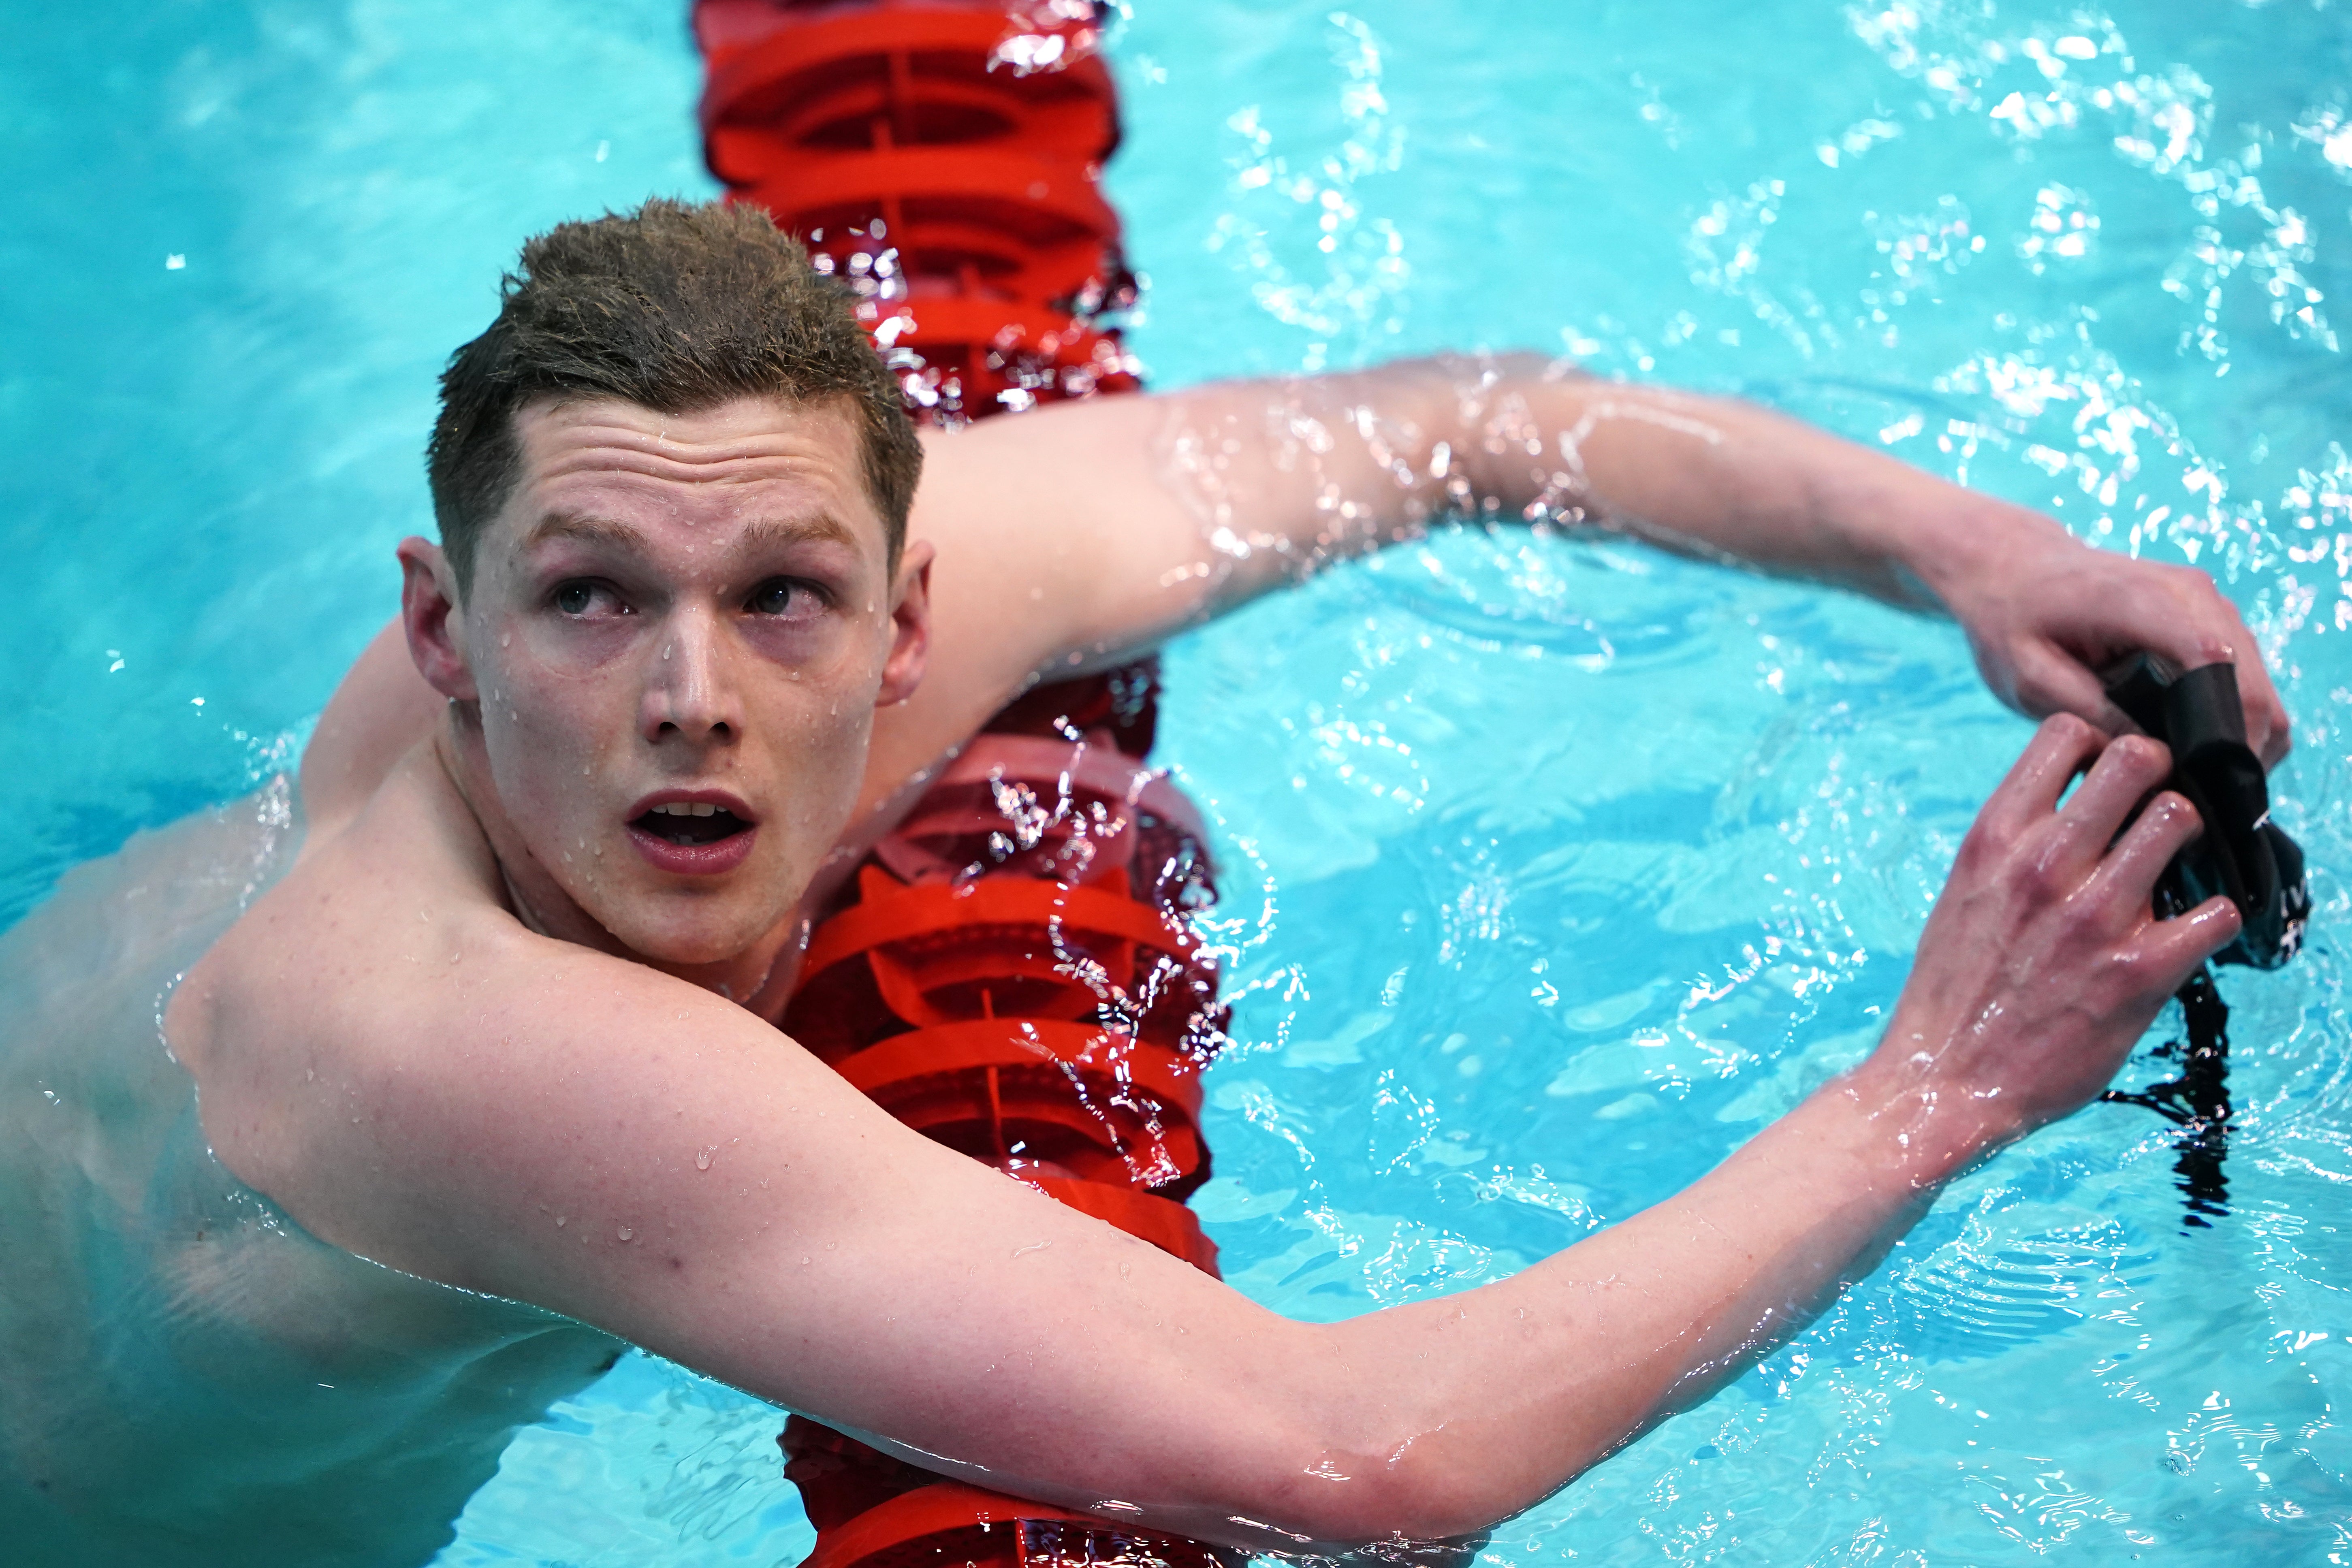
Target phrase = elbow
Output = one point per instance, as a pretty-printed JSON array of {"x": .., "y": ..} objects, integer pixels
[
  {"x": 1374, "y": 1432},
  {"x": 1432, "y": 1489}
]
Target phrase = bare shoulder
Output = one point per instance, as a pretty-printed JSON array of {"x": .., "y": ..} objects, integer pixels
[
  {"x": 388, "y": 1053},
  {"x": 1060, "y": 549},
  {"x": 328, "y": 967},
  {"x": 380, "y": 709},
  {"x": 414, "y": 1075}
]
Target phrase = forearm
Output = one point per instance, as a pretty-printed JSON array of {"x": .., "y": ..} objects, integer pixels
[
  {"x": 2041, "y": 966},
  {"x": 1716, "y": 477},
  {"x": 1439, "y": 1419},
  {"x": 1286, "y": 475},
  {"x": 1492, "y": 1400}
]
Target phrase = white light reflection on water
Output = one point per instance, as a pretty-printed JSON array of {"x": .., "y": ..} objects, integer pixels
[
  {"x": 1551, "y": 869},
  {"x": 1671, "y": 834}
]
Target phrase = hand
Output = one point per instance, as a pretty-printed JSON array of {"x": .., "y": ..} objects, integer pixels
[
  {"x": 2043, "y": 962},
  {"x": 2044, "y": 614}
]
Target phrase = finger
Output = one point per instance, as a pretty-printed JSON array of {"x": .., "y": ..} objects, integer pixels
[
  {"x": 2050, "y": 680},
  {"x": 2269, "y": 732},
  {"x": 2117, "y": 783},
  {"x": 2171, "y": 950},
  {"x": 2061, "y": 749},
  {"x": 2268, "y": 729},
  {"x": 2204, "y": 627},
  {"x": 2178, "y": 612},
  {"x": 2129, "y": 872},
  {"x": 2191, "y": 636}
]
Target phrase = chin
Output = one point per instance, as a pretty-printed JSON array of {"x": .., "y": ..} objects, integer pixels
[{"x": 694, "y": 935}]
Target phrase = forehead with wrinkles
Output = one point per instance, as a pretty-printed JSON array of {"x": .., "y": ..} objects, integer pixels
[{"x": 603, "y": 469}]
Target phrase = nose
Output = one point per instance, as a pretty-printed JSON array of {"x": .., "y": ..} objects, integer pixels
[{"x": 690, "y": 692}]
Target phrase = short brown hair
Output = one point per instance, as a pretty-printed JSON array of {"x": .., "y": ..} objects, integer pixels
[{"x": 675, "y": 308}]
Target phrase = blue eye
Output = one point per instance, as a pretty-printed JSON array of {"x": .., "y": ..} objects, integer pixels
[
  {"x": 573, "y": 598},
  {"x": 773, "y": 597}
]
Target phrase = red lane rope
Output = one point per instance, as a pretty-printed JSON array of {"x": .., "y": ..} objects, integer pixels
[
  {"x": 925, "y": 156},
  {"x": 1012, "y": 972}
]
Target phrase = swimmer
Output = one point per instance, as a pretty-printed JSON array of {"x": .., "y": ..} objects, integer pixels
[{"x": 474, "y": 1076}]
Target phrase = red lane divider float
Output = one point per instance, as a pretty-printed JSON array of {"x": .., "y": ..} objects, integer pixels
[
  {"x": 943, "y": 158},
  {"x": 1012, "y": 971}
]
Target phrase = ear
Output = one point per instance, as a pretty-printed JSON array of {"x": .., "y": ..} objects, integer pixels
[
  {"x": 432, "y": 619},
  {"x": 910, "y": 622}
]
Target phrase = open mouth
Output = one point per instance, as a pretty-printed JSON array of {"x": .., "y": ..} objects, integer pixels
[{"x": 689, "y": 823}]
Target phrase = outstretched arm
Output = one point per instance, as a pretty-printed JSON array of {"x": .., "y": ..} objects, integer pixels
[
  {"x": 545, "y": 1123},
  {"x": 1072, "y": 535}
]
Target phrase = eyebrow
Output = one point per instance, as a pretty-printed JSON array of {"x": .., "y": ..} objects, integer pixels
[
  {"x": 762, "y": 534},
  {"x": 558, "y": 525}
]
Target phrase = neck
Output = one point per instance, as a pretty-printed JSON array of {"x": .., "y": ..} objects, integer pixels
[{"x": 759, "y": 977}]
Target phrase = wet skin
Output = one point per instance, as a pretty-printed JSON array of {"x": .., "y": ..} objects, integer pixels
[
  {"x": 487, "y": 1033},
  {"x": 670, "y": 609}
]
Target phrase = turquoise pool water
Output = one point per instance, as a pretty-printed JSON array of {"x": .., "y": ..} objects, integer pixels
[{"x": 1553, "y": 869}]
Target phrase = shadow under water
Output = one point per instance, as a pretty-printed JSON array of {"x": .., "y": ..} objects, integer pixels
[{"x": 2197, "y": 1100}]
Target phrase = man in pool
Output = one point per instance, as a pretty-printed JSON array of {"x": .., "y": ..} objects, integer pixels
[{"x": 692, "y": 634}]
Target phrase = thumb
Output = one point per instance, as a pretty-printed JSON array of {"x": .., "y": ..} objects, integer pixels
[{"x": 2050, "y": 680}]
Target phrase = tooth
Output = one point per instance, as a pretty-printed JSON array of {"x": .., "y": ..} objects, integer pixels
[{"x": 704, "y": 808}]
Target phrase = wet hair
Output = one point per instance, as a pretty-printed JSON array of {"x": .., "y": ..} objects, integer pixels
[{"x": 676, "y": 308}]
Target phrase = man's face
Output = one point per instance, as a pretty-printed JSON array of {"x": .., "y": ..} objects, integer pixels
[{"x": 678, "y": 629}]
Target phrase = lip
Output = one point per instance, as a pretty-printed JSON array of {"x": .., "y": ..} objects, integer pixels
[
  {"x": 718, "y": 797},
  {"x": 694, "y": 860}
]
